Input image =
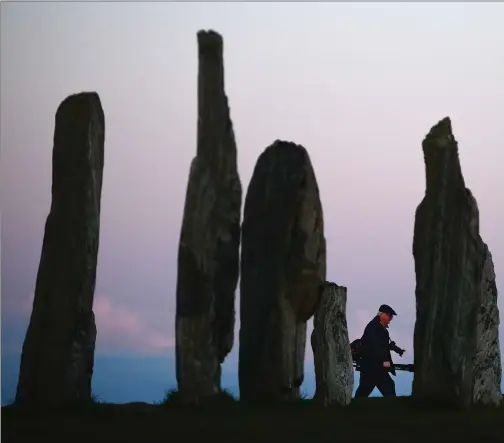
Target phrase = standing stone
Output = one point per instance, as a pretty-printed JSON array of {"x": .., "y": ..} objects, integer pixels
[
  {"x": 282, "y": 267},
  {"x": 58, "y": 352},
  {"x": 488, "y": 369},
  {"x": 331, "y": 348},
  {"x": 208, "y": 258},
  {"x": 457, "y": 357}
]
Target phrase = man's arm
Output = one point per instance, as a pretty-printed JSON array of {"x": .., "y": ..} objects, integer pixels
[{"x": 396, "y": 349}]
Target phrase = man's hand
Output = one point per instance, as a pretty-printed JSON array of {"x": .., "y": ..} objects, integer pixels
[
  {"x": 386, "y": 364},
  {"x": 396, "y": 349}
]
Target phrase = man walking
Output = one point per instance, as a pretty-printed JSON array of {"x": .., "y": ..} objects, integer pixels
[{"x": 376, "y": 362}]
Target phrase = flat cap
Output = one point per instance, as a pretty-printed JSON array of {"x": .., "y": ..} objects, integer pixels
[{"x": 386, "y": 309}]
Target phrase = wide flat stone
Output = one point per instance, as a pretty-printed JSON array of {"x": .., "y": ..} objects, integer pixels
[{"x": 282, "y": 267}]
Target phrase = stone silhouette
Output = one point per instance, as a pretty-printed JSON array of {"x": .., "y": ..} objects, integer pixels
[
  {"x": 58, "y": 351},
  {"x": 208, "y": 257},
  {"x": 457, "y": 357},
  {"x": 283, "y": 264},
  {"x": 331, "y": 348}
]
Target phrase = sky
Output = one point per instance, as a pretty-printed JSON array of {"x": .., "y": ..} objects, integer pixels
[{"x": 358, "y": 84}]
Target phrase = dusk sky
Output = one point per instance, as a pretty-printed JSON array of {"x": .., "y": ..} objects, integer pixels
[{"x": 359, "y": 85}]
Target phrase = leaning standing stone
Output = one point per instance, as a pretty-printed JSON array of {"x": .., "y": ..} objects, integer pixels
[{"x": 58, "y": 351}]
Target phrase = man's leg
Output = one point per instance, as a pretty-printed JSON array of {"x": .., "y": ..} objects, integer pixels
[
  {"x": 386, "y": 385},
  {"x": 367, "y": 383}
]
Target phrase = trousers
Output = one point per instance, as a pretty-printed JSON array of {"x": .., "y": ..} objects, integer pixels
[{"x": 375, "y": 379}]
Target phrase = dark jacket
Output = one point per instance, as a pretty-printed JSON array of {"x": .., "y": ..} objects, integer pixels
[{"x": 376, "y": 347}]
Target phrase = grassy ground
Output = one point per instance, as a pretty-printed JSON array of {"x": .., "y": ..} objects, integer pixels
[{"x": 368, "y": 420}]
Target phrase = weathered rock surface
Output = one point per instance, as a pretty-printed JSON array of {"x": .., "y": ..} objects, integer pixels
[
  {"x": 283, "y": 264},
  {"x": 331, "y": 348},
  {"x": 208, "y": 258},
  {"x": 457, "y": 357},
  {"x": 487, "y": 362},
  {"x": 58, "y": 352}
]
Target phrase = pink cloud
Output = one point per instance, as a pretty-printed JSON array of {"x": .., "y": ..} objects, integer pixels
[
  {"x": 122, "y": 329},
  {"x": 119, "y": 328},
  {"x": 112, "y": 319}
]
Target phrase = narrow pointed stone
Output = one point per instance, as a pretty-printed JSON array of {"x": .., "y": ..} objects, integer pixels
[
  {"x": 456, "y": 339},
  {"x": 208, "y": 257},
  {"x": 283, "y": 265},
  {"x": 58, "y": 351}
]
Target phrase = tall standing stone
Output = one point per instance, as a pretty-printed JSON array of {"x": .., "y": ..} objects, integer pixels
[
  {"x": 283, "y": 264},
  {"x": 208, "y": 258},
  {"x": 457, "y": 356},
  {"x": 331, "y": 348},
  {"x": 58, "y": 352}
]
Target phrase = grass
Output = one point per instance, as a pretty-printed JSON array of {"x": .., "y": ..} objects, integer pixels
[
  {"x": 225, "y": 397},
  {"x": 227, "y": 420}
]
